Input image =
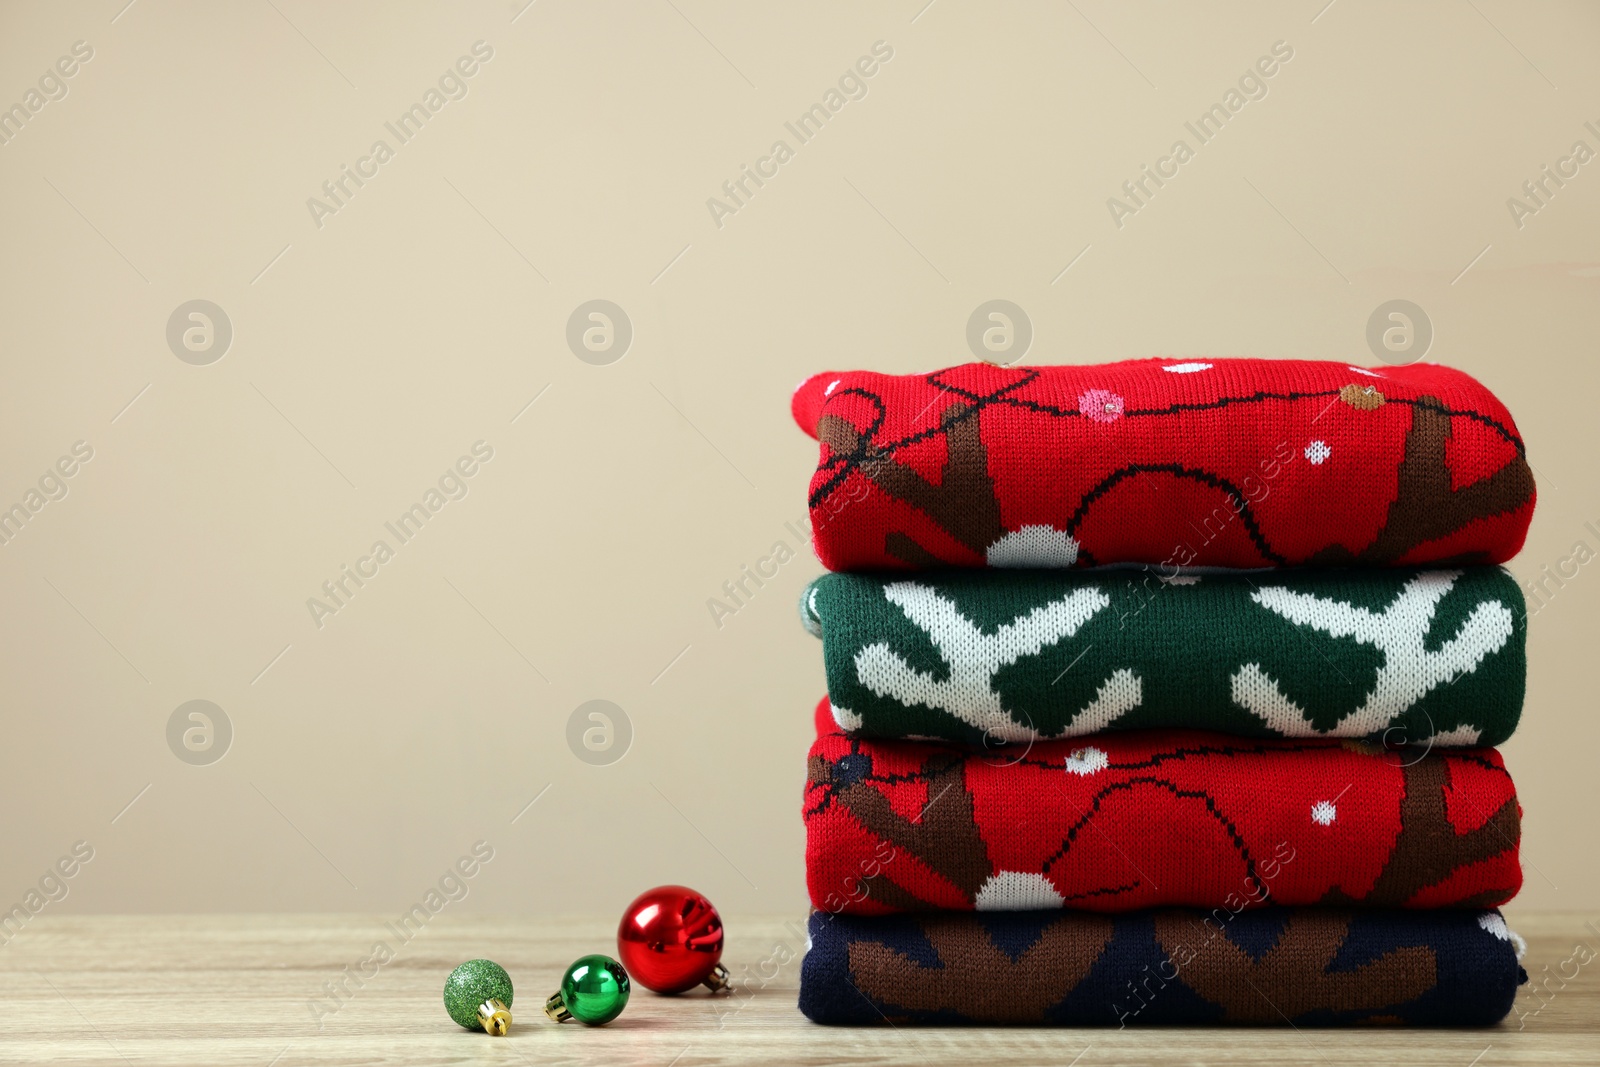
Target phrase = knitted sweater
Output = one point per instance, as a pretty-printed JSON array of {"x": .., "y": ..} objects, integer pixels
[
  {"x": 1009, "y": 656},
  {"x": 1225, "y": 462},
  {"x": 1297, "y": 966},
  {"x": 1131, "y": 820}
]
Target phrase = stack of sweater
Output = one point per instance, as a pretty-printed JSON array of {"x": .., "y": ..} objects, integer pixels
[{"x": 1164, "y": 692}]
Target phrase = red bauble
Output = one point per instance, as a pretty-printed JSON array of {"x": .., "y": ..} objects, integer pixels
[{"x": 670, "y": 940}]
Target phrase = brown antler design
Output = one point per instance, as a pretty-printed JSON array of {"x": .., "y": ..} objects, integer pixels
[
  {"x": 963, "y": 503},
  {"x": 1425, "y": 506},
  {"x": 945, "y": 837},
  {"x": 1428, "y": 849},
  {"x": 1292, "y": 977},
  {"x": 977, "y": 979}
]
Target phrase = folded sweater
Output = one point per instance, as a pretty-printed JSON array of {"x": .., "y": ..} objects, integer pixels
[
  {"x": 1123, "y": 821},
  {"x": 1401, "y": 656},
  {"x": 1223, "y": 462},
  {"x": 1296, "y": 966}
]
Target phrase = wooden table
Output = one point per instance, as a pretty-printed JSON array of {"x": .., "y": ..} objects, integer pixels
[{"x": 226, "y": 990}]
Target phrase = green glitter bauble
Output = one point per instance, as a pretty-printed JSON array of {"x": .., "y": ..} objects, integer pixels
[
  {"x": 595, "y": 989},
  {"x": 471, "y": 984}
]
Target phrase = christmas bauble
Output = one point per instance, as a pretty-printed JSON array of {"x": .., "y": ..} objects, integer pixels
[
  {"x": 670, "y": 940},
  {"x": 478, "y": 996},
  {"x": 594, "y": 991}
]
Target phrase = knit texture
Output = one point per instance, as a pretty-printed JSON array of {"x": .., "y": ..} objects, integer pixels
[
  {"x": 1306, "y": 966},
  {"x": 1225, "y": 462},
  {"x": 1010, "y": 656},
  {"x": 1132, "y": 820}
]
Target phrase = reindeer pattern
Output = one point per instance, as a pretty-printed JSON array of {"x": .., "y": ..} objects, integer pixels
[
  {"x": 1135, "y": 820},
  {"x": 1391, "y": 654},
  {"x": 1309, "y": 966},
  {"x": 1236, "y": 463}
]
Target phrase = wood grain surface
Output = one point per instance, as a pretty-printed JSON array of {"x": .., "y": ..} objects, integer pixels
[{"x": 253, "y": 990}]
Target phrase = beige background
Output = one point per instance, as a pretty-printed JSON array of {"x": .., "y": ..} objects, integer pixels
[{"x": 369, "y": 353}]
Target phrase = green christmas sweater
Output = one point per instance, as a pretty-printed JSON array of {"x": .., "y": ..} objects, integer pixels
[{"x": 1404, "y": 656}]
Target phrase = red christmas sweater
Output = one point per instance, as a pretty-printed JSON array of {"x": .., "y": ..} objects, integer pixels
[
  {"x": 1221, "y": 462},
  {"x": 1135, "y": 820}
]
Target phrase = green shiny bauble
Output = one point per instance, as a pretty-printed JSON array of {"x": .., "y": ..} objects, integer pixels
[
  {"x": 470, "y": 985},
  {"x": 594, "y": 990}
]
